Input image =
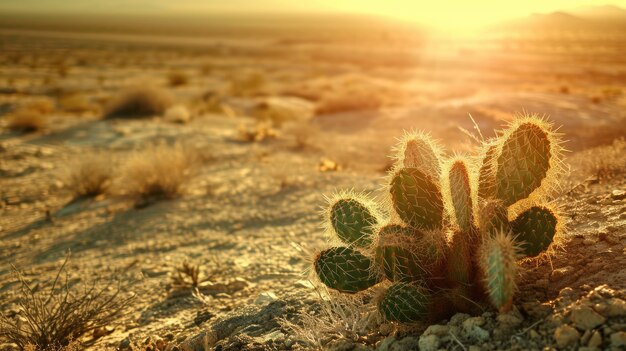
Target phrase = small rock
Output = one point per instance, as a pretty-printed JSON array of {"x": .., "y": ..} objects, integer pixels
[
  {"x": 509, "y": 320},
  {"x": 616, "y": 307},
  {"x": 595, "y": 340},
  {"x": 405, "y": 344},
  {"x": 585, "y": 337},
  {"x": 558, "y": 274},
  {"x": 472, "y": 322},
  {"x": 429, "y": 342},
  {"x": 386, "y": 343},
  {"x": 265, "y": 298},
  {"x": 618, "y": 339},
  {"x": 385, "y": 329},
  {"x": 585, "y": 318},
  {"x": 436, "y": 329},
  {"x": 566, "y": 335},
  {"x": 618, "y": 194},
  {"x": 458, "y": 318},
  {"x": 478, "y": 334},
  {"x": 102, "y": 331}
]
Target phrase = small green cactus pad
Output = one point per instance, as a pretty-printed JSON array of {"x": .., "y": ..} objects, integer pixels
[
  {"x": 346, "y": 270},
  {"x": 417, "y": 199},
  {"x": 353, "y": 222},
  {"x": 498, "y": 264},
  {"x": 398, "y": 229},
  {"x": 397, "y": 255},
  {"x": 523, "y": 163},
  {"x": 493, "y": 218},
  {"x": 420, "y": 153},
  {"x": 487, "y": 176},
  {"x": 405, "y": 302},
  {"x": 535, "y": 229},
  {"x": 461, "y": 194}
]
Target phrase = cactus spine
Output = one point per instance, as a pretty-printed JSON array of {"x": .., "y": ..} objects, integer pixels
[{"x": 432, "y": 249}]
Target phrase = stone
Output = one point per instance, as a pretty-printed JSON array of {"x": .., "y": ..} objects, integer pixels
[
  {"x": 559, "y": 273},
  {"x": 265, "y": 298},
  {"x": 428, "y": 343},
  {"x": 458, "y": 318},
  {"x": 595, "y": 340},
  {"x": 616, "y": 307},
  {"x": 437, "y": 329},
  {"x": 472, "y": 322},
  {"x": 618, "y": 339},
  {"x": 406, "y": 344},
  {"x": 566, "y": 335},
  {"x": 478, "y": 334},
  {"x": 509, "y": 320},
  {"x": 385, "y": 344},
  {"x": 618, "y": 194},
  {"x": 585, "y": 318}
]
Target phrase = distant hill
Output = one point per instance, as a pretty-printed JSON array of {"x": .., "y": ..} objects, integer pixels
[{"x": 589, "y": 18}]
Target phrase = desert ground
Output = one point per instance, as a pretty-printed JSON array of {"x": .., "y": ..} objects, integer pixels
[{"x": 249, "y": 129}]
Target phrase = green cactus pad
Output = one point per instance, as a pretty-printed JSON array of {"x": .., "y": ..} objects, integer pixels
[
  {"x": 523, "y": 163},
  {"x": 396, "y": 254},
  {"x": 461, "y": 195},
  {"x": 487, "y": 174},
  {"x": 417, "y": 199},
  {"x": 346, "y": 270},
  {"x": 493, "y": 218},
  {"x": 498, "y": 264},
  {"x": 398, "y": 229},
  {"x": 353, "y": 222},
  {"x": 535, "y": 229},
  {"x": 419, "y": 153},
  {"x": 405, "y": 303},
  {"x": 459, "y": 265}
]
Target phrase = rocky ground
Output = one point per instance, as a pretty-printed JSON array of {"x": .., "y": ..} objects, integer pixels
[{"x": 249, "y": 219}]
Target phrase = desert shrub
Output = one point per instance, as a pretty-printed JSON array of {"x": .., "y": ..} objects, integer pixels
[
  {"x": 26, "y": 120},
  {"x": 157, "y": 172},
  {"x": 177, "y": 78},
  {"x": 90, "y": 176},
  {"x": 138, "y": 102},
  {"x": 602, "y": 162},
  {"x": 54, "y": 316}
]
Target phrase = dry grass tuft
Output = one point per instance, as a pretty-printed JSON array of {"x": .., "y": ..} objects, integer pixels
[
  {"x": 177, "y": 78},
  {"x": 91, "y": 176},
  {"x": 54, "y": 316},
  {"x": 158, "y": 172},
  {"x": 603, "y": 162},
  {"x": 76, "y": 103},
  {"x": 139, "y": 102}
]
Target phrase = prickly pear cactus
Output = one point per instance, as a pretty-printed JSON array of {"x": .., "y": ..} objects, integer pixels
[{"x": 453, "y": 229}]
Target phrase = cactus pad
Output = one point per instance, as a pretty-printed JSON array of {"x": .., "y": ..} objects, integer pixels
[
  {"x": 535, "y": 229},
  {"x": 346, "y": 270},
  {"x": 493, "y": 218},
  {"x": 497, "y": 262},
  {"x": 487, "y": 174},
  {"x": 419, "y": 151},
  {"x": 405, "y": 302},
  {"x": 461, "y": 194},
  {"x": 417, "y": 199},
  {"x": 399, "y": 258},
  {"x": 523, "y": 162},
  {"x": 353, "y": 221}
]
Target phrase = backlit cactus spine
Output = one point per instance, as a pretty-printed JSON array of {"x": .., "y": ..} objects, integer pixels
[{"x": 446, "y": 239}]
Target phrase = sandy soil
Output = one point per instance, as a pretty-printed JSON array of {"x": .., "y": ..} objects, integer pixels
[{"x": 249, "y": 218}]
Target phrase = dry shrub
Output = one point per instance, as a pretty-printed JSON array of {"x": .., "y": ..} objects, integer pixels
[
  {"x": 139, "y": 102},
  {"x": 54, "y": 316},
  {"x": 602, "y": 162},
  {"x": 76, "y": 103},
  {"x": 158, "y": 172},
  {"x": 26, "y": 121},
  {"x": 177, "y": 78},
  {"x": 91, "y": 175}
]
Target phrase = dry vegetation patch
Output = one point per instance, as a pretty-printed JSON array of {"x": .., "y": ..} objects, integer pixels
[
  {"x": 26, "y": 121},
  {"x": 56, "y": 315},
  {"x": 91, "y": 176},
  {"x": 157, "y": 172},
  {"x": 139, "y": 102}
]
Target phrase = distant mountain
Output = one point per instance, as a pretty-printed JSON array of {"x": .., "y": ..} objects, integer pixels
[{"x": 590, "y": 18}]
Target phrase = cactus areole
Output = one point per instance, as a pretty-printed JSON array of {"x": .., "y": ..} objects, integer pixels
[{"x": 448, "y": 238}]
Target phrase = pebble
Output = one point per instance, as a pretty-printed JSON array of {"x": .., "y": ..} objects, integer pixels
[
  {"x": 437, "y": 329},
  {"x": 595, "y": 340},
  {"x": 385, "y": 344},
  {"x": 559, "y": 273},
  {"x": 265, "y": 298},
  {"x": 472, "y": 322},
  {"x": 428, "y": 342},
  {"x": 509, "y": 320},
  {"x": 408, "y": 343},
  {"x": 618, "y": 194},
  {"x": 585, "y": 318},
  {"x": 565, "y": 335},
  {"x": 618, "y": 339},
  {"x": 616, "y": 307},
  {"x": 458, "y": 318}
]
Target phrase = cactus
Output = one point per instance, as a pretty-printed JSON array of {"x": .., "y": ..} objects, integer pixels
[{"x": 449, "y": 241}]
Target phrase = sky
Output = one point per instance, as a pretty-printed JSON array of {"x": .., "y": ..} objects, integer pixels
[{"x": 441, "y": 13}]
